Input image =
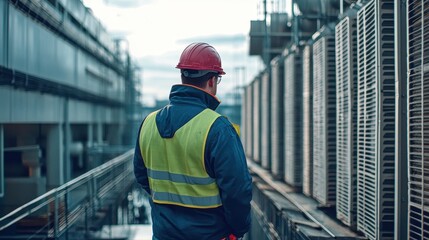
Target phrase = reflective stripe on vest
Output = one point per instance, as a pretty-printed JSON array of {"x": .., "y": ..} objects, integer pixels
[{"x": 175, "y": 166}]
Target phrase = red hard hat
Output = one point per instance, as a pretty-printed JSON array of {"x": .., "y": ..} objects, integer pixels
[{"x": 200, "y": 56}]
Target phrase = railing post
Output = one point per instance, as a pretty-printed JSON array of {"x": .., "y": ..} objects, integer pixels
[{"x": 56, "y": 227}]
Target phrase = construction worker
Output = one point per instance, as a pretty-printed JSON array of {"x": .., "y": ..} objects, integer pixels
[{"x": 190, "y": 159}]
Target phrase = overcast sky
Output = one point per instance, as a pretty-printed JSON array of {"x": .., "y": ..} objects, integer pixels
[{"x": 159, "y": 30}]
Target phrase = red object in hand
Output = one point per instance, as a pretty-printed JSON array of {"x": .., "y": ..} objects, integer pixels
[{"x": 232, "y": 237}]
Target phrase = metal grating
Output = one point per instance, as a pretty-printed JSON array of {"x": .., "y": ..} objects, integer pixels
[
  {"x": 324, "y": 119},
  {"x": 376, "y": 120},
  {"x": 265, "y": 120},
  {"x": 256, "y": 128},
  {"x": 418, "y": 119},
  {"x": 307, "y": 137},
  {"x": 277, "y": 116},
  {"x": 247, "y": 120},
  {"x": 345, "y": 42},
  {"x": 293, "y": 117}
]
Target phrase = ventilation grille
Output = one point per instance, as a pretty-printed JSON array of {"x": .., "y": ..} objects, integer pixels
[
  {"x": 293, "y": 118},
  {"x": 307, "y": 138},
  {"x": 418, "y": 158},
  {"x": 376, "y": 120},
  {"x": 345, "y": 39},
  {"x": 256, "y": 86},
  {"x": 324, "y": 118},
  {"x": 265, "y": 120},
  {"x": 247, "y": 120},
  {"x": 277, "y": 116}
]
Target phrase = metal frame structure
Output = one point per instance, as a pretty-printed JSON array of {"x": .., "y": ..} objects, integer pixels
[
  {"x": 376, "y": 120},
  {"x": 324, "y": 117},
  {"x": 307, "y": 137},
  {"x": 266, "y": 109},
  {"x": 418, "y": 83},
  {"x": 293, "y": 116},
  {"x": 277, "y": 116},
  {"x": 346, "y": 56}
]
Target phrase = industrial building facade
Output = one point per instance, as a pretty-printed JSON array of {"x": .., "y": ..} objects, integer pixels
[{"x": 65, "y": 92}]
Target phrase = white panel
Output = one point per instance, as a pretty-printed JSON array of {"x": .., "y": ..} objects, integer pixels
[
  {"x": 324, "y": 124},
  {"x": 249, "y": 119},
  {"x": 345, "y": 37},
  {"x": 33, "y": 43},
  {"x": 418, "y": 119},
  {"x": 5, "y": 105},
  {"x": 265, "y": 121},
  {"x": 3, "y": 33},
  {"x": 18, "y": 106},
  {"x": 307, "y": 138},
  {"x": 376, "y": 120},
  {"x": 17, "y": 40},
  {"x": 293, "y": 118},
  {"x": 48, "y": 48},
  {"x": 24, "y": 106},
  {"x": 256, "y": 119},
  {"x": 64, "y": 63},
  {"x": 277, "y": 117}
]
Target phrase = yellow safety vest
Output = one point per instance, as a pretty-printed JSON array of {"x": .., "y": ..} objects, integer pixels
[{"x": 175, "y": 166}]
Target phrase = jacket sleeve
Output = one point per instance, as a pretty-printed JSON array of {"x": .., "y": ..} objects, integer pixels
[
  {"x": 140, "y": 170},
  {"x": 226, "y": 162}
]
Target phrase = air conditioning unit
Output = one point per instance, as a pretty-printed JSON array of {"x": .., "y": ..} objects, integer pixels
[
  {"x": 324, "y": 117},
  {"x": 376, "y": 120},
  {"x": 418, "y": 115},
  {"x": 277, "y": 117},
  {"x": 265, "y": 120},
  {"x": 293, "y": 116},
  {"x": 346, "y": 58},
  {"x": 256, "y": 128},
  {"x": 246, "y": 120},
  {"x": 307, "y": 119}
]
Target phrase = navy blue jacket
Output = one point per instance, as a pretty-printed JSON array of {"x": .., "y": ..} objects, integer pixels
[{"x": 224, "y": 160}]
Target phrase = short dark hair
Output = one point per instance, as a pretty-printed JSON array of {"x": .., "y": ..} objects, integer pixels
[{"x": 200, "y": 82}]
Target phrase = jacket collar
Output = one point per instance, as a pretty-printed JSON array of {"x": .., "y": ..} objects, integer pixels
[{"x": 188, "y": 94}]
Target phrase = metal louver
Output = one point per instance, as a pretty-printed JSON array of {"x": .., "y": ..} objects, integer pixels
[
  {"x": 247, "y": 120},
  {"x": 418, "y": 119},
  {"x": 256, "y": 128},
  {"x": 324, "y": 118},
  {"x": 376, "y": 120},
  {"x": 277, "y": 116},
  {"x": 293, "y": 117},
  {"x": 307, "y": 136},
  {"x": 345, "y": 44},
  {"x": 265, "y": 120}
]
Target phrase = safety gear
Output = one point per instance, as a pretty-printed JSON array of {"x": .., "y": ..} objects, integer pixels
[
  {"x": 175, "y": 166},
  {"x": 201, "y": 56},
  {"x": 231, "y": 237}
]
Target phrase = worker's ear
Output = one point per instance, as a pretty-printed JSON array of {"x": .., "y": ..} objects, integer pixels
[{"x": 212, "y": 81}]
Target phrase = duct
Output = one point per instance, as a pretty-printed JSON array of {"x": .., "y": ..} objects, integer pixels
[{"x": 316, "y": 7}]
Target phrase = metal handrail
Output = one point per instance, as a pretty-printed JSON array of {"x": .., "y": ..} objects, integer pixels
[{"x": 63, "y": 206}]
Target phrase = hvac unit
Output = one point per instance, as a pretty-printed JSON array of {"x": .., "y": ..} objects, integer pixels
[
  {"x": 293, "y": 117},
  {"x": 376, "y": 120},
  {"x": 307, "y": 119},
  {"x": 346, "y": 58},
  {"x": 418, "y": 119},
  {"x": 277, "y": 117},
  {"x": 247, "y": 120},
  {"x": 324, "y": 117},
  {"x": 256, "y": 116},
  {"x": 265, "y": 120}
]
